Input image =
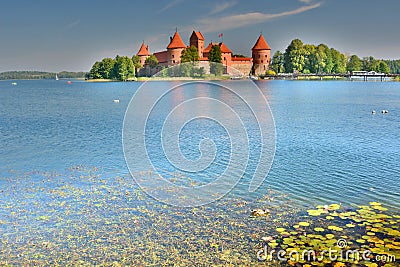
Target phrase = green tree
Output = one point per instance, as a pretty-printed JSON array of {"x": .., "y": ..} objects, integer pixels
[
  {"x": 106, "y": 68},
  {"x": 152, "y": 61},
  {"x": 124, "y": 68},
  {"x": 95, "y": 71},
  {"x": 190, "y": 54},
  {"x": 354, "y": 64},
  {"x": 294, "y": 56},
  {"x": 383, "y": 67},
  {"x": 278, "y": 62},
  {"x": 311, "y": 61},
  {"x": 339, "y": 61},
  {"x": 321, "y": 58},
  {"x": 238, "y": 55},
  {"x": 215, "y": 59},
  {"x": 325, "y": 56},
  {"x": 370, "y": 64},
  {"x": 394, "y": 66},
  {"x": 136, "y": 63}
]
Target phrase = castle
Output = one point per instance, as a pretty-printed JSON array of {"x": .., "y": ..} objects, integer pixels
[{"x": 258, "y": 64}]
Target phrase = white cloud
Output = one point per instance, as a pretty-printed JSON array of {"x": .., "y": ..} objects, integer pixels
[
  {"x": 72, "y": 24},
  {"x": 222, "y": 6},
  {"x": 170, "y": 5},
  {"x": 246, "y": 19}
]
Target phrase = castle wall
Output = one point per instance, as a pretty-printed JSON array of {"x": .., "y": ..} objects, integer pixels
[{"x": 242, "y": 66}]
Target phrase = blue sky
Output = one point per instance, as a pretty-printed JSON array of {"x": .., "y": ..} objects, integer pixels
[{"x": 72, "y": 35}]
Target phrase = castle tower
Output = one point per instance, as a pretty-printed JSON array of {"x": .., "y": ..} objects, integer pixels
[
  {"x": 261, "y": 53},
  {"x": 197, "y": 40},
  {"x": 143, "y": 53},
  {"x": 175, "y": 49}
]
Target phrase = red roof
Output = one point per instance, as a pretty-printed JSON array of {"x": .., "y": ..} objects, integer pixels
[
  {"x": 143, "y": 51},
  {"x": 198, "y": 35},
  {"x": 208, "y": 48},
  {"x": 176, "y": 42},
  {"x": 242, "y": 59},
  {"x": 224, "y": 48},
  {"x": 261, "y": 44},
  {"x": 162, "y": 57}
]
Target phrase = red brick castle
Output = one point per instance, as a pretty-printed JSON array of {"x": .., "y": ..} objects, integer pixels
[{"x": 258, "y": 64}]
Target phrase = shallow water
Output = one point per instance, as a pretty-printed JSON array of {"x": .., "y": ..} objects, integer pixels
[{"x": 66, "y": 187}]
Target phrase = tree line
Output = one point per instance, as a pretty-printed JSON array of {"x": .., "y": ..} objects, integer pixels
[
  {"x": 35, "y": 75},
  {"x": 123, "y": 68},
  {"x": 308, "y": 58}
]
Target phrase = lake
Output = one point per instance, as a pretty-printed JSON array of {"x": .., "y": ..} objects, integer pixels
[{"x": 62, "y": 161}]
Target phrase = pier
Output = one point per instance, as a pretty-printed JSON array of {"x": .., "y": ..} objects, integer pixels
[{"x": 350, "y": 76}]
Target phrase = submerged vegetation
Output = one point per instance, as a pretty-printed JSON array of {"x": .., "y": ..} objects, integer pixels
[{"x": 86, "y": 218}]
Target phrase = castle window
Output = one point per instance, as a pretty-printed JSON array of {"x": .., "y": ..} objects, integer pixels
[
  {"x": 262, "y": 61},
  {"x": 264, "y": 67},
  {"x": 172, "y": 56},
  {"x": 259, "y": 56},
  {"x": 173, "y": 61},
  {"x": 266, "y": 56}
]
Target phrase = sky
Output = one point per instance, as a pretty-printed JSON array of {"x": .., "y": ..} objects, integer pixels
[{"x": 71, "y": 35}]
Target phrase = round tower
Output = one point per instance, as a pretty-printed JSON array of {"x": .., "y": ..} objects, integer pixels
[
  {"x": 175, "y": 49},
  {"x": 261, "y": 53}
]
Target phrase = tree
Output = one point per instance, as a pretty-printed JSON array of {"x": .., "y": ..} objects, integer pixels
[
  {"x": 238, "y": 55},
  {"x": 294, "y": 56},
  {"x": 152, "y": 61},
  {"x": 106, "y": 68},
  {"x": 311, "y": 61},
  {"x": 370, "y": 64},
  {"x": 326, "y": 56},
  {"x": 136, "y": 63},
  {"x": 95, "y": 71},
  {"x": 278, "y": 62},
  {"x": 354, "y": 64},
  {"x": 190, "y": 54},
  {"x": 215, "y": 59},
  {"x": 383, "y": 67},
  {"x": 124, "y": 68},
  {"x": 339, "y": 61}
]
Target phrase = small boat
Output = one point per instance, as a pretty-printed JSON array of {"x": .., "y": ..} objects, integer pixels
[
  {"x": 373, "y": 112},
  {"x": 14, "y": 83},
  {"x": 116, "y": 100},
  {"x": 56, "y": 77},
  {"x": 385, "y": 111},
  {"x": 69, "y": 82},
  {"x": 254, "y": 78}
]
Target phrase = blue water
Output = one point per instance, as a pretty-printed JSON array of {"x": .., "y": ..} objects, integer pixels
[{"x": 329, "y": 146}]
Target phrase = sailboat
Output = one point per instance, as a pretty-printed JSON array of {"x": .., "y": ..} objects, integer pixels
[{"x": 56, "y": 77}]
